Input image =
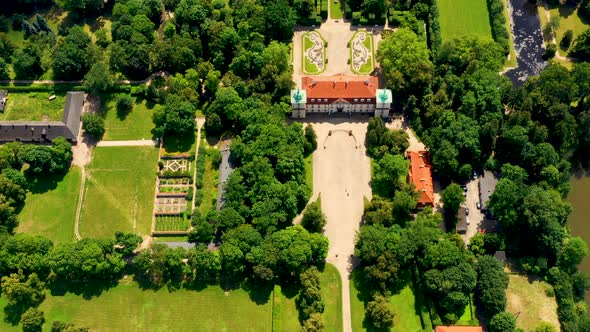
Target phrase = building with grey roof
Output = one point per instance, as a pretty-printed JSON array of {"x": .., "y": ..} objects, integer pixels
[
  {"x": 487, "y": 186},
  {"x": 46, "y": 131}
]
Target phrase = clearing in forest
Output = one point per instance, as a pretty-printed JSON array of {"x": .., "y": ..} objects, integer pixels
[
  {"x": 314, "y": 53},
  {"x": 119, "y": 191},
  {"x": 50, "y": 207},
  {"x": 462, "y": 17},
  {"x": 528, "y": 302},
  {"x": 361, "y": 53}
]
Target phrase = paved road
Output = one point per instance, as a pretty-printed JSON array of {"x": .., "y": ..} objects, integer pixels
[
  {"x": 475, "y": 215},
  {"x": 145, "y": 142}
]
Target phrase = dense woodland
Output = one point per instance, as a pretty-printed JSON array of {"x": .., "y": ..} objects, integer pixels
[{"x": 234, "y": 57}]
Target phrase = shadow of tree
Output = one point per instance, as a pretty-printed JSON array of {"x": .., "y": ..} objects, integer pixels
[{"x": 87, "y": 289}]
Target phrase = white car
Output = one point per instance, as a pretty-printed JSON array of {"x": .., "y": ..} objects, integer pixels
[{"x": 467, "y": 220}]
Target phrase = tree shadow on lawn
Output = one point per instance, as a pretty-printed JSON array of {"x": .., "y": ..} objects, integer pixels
[
  {"x": 42, "y": 184},
  {"x": 259, "y": 293},
  {"x": 87, "y": 289},
  {"x": 174, "y": 144}
]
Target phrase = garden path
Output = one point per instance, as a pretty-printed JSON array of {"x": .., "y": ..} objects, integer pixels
[
  {"x": 141, "y": 142},
  {"x": 200, "y": 121}
]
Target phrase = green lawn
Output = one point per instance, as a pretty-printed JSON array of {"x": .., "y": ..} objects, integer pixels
[
  {"x": 133, "y": 126},
  {"x": 308, "y": 67},
  {"x": 210, "y": 183},
  {"x": 527, "y": 300},
  {"x": 335, "y": 9},
  {"x": 128, "y": 308},
  {"x": 309, "y": 171},
  {"x": 461, "y": 17},
  {"x": 367, "y": 67},
  {"x": 171, "y": 223},
  {"x": 511, "y": 61},
  {"x": 285, "y": 311},
  {"x": 407, "y": 312},
  {"x": 50, "y": 208},
  {"x": 119, "y": 192},
  {"x": 34, "y": 106},
  {"x": 569, "y": 19}
]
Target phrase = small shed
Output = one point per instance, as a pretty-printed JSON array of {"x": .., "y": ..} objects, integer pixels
[
  {"x": 501, "y": 256},
  {"x": 3, "y": 97},
  {"x": 461, "y": 227}
]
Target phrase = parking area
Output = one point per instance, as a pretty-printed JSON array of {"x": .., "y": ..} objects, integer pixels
[{"x": 475, "y": 215}]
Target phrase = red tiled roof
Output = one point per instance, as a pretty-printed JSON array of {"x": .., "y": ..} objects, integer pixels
[
  {"x": 459, "y": 329},
  {"x": 421, "y": 176},
  {"x": 340, "y": 86}
]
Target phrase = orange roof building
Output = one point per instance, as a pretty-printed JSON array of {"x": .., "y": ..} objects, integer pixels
[
  {"x": 458, "y": 329},
  {"x": 340, "y": 93},
  {"x": 420, "y": 175}
]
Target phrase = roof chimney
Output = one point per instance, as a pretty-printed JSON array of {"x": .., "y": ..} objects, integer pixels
[{"x": 366, "y": 82}]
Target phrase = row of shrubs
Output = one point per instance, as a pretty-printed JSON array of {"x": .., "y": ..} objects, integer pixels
[
  {"x": 371, "y": 19},
  {"x": 498, "y": 24},
  {"x": 406, "y": 19},
  {"x": 175, "y": 174},
  {"x": 58, "y": 88},
  {"x": 434, "y": 38},
  {"x": 320, "y": 13},
  {"x": 201, "y": 162}
]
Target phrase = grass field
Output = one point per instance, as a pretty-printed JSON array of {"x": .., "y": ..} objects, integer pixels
[
  {"x": 210, "y": 184},
  {"x": 407, "y": 312},
  {"x": 50, "y": 208},
  {"x": 309, "y": 171},
  {"x": 171, "y": 223},
  {"x": 526, "y": 299},
  {"x": 128, "y": 308},
  {"x": 367, "y": 67},
  {"x": 569, "y": 19},
  {"x": 119, "y": 192},
  {"x": 308, "y": 67},
  {"x": 133, "y": 126},
  {"x": 335, "y": 9},
  {"x": 461, "y": 17},
  {"x": 511, "y": 61},
  {"x": 285, "y": 313},
  {"x": 34, "y": 106}
]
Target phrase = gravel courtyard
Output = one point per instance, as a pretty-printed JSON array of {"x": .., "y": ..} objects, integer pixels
[{"x": 341, "y": 175}]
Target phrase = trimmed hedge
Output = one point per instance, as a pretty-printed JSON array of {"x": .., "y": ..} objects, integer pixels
[
  {"x": 324, "y": 9},
  {"x": 498, "y": 24},
  {"x": 434, "y": 38}
]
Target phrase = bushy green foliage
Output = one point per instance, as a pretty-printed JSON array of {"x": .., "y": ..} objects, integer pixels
[
  {"x": 498, "y": 23},
  {"x": 93, "y": 125},
  {"x": 492, "y": 282},
  {"x": 313, "y": 219}
]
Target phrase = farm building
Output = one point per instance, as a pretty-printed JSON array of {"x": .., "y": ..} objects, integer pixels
[
  {"x": 340, "y": 94},
  {"x": 420, "y": 175},
  {"x": 46, "y": 131}
]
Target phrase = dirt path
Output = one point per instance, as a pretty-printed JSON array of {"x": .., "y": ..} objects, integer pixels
[
  {"x": 142, "y": 142},
  {"x": 148, "y": 79},
  {"x": 341, "y": 175},
  {"x": 200, "y": 122},
  {"x": 82, "y": 154}
]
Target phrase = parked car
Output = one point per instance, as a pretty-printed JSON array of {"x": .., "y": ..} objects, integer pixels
[
  {"x": 478, "y": 205},
  {"x": 474, "y": 175},
  {"x": 464, "y": 188},
  {"x": 388, "y": 119},
  {"x": 467, "y": 220},
  {"x": 467, "y": 211}
]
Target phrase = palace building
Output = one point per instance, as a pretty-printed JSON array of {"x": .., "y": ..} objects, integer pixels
[{"x": 340, "y": 94}]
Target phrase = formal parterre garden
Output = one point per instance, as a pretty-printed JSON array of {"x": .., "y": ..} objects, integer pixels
[
  {"x": 361, "y": 53},
  {"x": 314, "y": 53}
]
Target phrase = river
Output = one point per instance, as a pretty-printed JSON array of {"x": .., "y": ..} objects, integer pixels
[
  {"x": 528, "y": 41},
  {"x": 579, "y": 220}
]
